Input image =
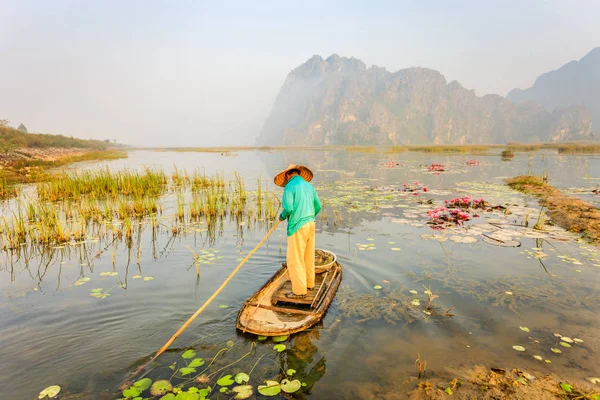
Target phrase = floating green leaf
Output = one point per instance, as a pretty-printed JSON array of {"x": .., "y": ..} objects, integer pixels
[
  {"x": 225, "y": 381},
  {"x": 539, "y": 358},
  {"x": 279, "y": 347},
  {"x": 143, "y": 384},
  {"x": 278, "y": 339},
  {"x": 196, "y": 362},
  {"x": 449, "y": 391},
  {"x": 168, "y": 396},
  {"x": 593, "y": 380},
  {"x": 242, "y": 392},
  {"x": 557, "y": 351},
  {"x": 50, "y": 392},
  {"x": 223, "y": 390},
  {"x": 189, "y": 354},
  {"x": 187, "y": 396},
  {"x": 548, "y": 361},
  {"x": 136, "y": 276},
  {"x": 415, "y": 302},
  {"x": 377, "y": 287},
  {"x": 229, "y": 343},
  {"x": 566, "y": 339},
  {"x": 161, "y": 387},
  {"x": 290, "y": 386},
  {"x": 261, "y": 338},
  {"x": 271, "y": 388},
  {"x": 204, "y": 392},
  {"x": 413, "y": 291},
  {"x": 565, "y": 344},
  {"x": 396, "y": 249},
  {"x": 148, "y": 278},
  {"x": 519, "y": 348},
  {"x": 566, "y": 387},
  {"x": 223, "y": 306},
  {"x": 97, "y": 290},
  {"x": 131, "y": 392},
  {"x": 290, "y": 372},
  {"x": 577, "y": 340},
  {"x": 524, "y": 328},
  {"x": 241, "y": 377},
  {"x": 187, "y": 370}
]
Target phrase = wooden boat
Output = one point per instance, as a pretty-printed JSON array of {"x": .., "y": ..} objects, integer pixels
[{"x": 270, "y": 313}]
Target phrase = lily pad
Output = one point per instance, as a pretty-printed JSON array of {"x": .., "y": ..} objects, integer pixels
[
  {"x": 148, "y": 278},
  {"x": 290, "y": 372},
  {"x": 131, "y": 392},
  {"x": 566, "y": 387},
  {"x": 196, "y": 362},
  {"x": 223, "y": 306},
  {"x": 188, "y": 354},
  {"x": 278, "y": 339},
  {"x": 261, "y": 338},
  {"x": 143, "y": 384},
  {"x": 593, "y": 380},
  {"x": 225, "y": 381},
  {"x": 377, "y": 287},
  {"x": 290, "y": 386},
  {"x": 548, "y": 361},
  {"x": 270, "y": 388},
  {"x": 241, "y": 377},
  {"x": 524, "y": 328},
  {"x": 415, "y": 302},
  {"x": 413, "y": 292},
  {"x": 279, "y": 347},
  {"x": 395, "y": 249},
  {"x": 242, "y": 392},
  {"x": 187, "y": 370},
  {"x": 519, "y": 348},
  {"x": 136, "y": 276},
  {"x": 577, "y": 340},
  {"x": 566, "y": 339},
  {"x": 565, "y": 344},
  {"x": 50, "y": 392},
  {"x": 539, "y": 358},
  {"x": 161, "y": 387},
  {"x": 168, "y": 396},
  {"x": 557, "y": 351}
]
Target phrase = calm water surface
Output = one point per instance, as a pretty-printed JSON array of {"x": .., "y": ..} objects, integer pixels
[{"x": 54, "y": 332}]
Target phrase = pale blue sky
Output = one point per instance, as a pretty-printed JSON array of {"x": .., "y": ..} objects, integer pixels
[{"x": 206, "y": 73}]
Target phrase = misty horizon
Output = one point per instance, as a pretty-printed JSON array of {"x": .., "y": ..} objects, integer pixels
[{"x": 193, "y": 74}]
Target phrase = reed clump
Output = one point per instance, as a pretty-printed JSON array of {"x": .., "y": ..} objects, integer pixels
[
  {"x": 71, "y": 207},
  {"x": 103, "y": 184}
]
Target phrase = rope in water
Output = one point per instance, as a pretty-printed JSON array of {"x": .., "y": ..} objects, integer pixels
[{"x": 206, "y": 303}]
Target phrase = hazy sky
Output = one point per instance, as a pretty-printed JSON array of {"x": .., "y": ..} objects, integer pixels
[{"x": 176, "y": 73}]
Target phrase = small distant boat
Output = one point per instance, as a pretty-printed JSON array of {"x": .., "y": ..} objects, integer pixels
[{"x": 270, "y": 313}]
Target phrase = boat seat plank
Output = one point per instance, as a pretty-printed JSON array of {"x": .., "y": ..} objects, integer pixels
[{"x": 280, "y": 295}]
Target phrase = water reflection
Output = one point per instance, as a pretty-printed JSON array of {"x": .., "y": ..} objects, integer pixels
[{"x": 61, "y": 330}]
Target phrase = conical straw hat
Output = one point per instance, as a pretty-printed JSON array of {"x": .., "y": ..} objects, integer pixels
[{"x": 305, "y": 173}]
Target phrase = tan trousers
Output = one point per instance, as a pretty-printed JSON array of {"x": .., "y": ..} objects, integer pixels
[{"x": 300, "y": 258}]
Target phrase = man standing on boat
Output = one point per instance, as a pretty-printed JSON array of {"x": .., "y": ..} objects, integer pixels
[{"x": 300, "y": 206}]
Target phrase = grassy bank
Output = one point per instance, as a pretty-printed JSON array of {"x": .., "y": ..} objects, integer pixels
[
  {"x": 568, "y": 212},
  {"x": 16, "y": 168}
]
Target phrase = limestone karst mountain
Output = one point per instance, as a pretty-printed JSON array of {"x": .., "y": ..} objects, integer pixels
[{"x": 339, "y": 100}]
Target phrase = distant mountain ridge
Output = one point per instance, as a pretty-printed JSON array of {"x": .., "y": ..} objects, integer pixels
[
  {"x": 575, "y": 83},
  {"x": 339, "y": 100}
]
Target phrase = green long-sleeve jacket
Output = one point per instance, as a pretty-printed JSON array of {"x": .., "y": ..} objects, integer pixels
[{"x": 300, "y": 204}]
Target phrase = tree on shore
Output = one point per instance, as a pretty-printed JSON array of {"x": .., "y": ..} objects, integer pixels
[
  {"x": 22, "y": 128},
  {"x": 4, "y": 122}
]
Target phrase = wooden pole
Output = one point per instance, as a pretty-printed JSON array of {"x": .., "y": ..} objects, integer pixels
[{"x": 206, "y": 303}]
